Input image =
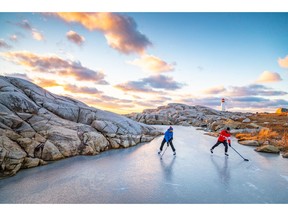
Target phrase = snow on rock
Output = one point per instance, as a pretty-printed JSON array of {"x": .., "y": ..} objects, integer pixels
[{"x": 38, "y": 126}]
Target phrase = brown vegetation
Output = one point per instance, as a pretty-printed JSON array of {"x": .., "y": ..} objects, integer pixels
[{"x": 274, "y": 131}]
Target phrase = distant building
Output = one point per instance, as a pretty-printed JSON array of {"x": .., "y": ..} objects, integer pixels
[
  {"x": 281, "y": 110},
  {"x": 223, "y": 106}
]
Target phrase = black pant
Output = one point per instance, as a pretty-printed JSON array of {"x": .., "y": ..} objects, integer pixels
[
  {"x": 224, "y": 143},
  {"x": 170, "y": 142}
]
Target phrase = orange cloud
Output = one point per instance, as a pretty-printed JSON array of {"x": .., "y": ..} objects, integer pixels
[
  {"x": 283, "y": 62},
  {"x": 55, "y": 64},
  {"x": 120, "y": 31},
  {"x": 37, "y": 35},
  {"x": 36, "y": 62},
  {"x": 152, "y": 63},
  {"x": 46, "y": 83},
  {"x": 268, "y": 76},
  {"x": 75, "y": 38}
]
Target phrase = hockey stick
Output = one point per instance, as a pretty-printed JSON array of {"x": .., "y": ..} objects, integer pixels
[
  {"x": 163, "y": 152},
  {"x": 239, "y": 154}
]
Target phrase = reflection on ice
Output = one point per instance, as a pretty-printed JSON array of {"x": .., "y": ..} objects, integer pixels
[
  {"x": 167, "y": 168},
  {"x": 222, "y": 170}
]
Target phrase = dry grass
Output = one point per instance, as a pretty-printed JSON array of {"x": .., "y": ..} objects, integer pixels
[
  {"x": 273, "y": 121},
  {"x": 284, "y": 141},
  {"x": 267, "y": 134},
  {"x": 275, "y": 132},
  {"x": 263, "y": 135}
]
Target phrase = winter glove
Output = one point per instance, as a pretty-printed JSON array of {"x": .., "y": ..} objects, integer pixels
[
  {"x": 230, "y": 144},
  {"x": 168, "y": 144}
]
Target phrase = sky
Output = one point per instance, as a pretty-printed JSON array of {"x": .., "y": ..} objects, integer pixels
[{"x": 130, "y": 61}]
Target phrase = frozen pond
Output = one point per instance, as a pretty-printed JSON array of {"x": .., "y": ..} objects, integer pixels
[{"x": 137, "y": 175}]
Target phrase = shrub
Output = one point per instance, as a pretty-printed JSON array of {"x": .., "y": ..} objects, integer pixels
[
  {"x": 267, "y": 134},
  {"x": 284, "y": 141},
  {"x": 263, "y": 135}
]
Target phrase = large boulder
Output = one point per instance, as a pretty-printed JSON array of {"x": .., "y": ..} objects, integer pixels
[
  {"x": 285, "y": 155},
  {"x": 268, "y": 149},
  {"x": 37, "y": 126},
  {"x": 249, "y": 142}
]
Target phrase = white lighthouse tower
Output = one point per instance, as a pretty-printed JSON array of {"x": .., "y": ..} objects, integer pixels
[{"x": 223, "y": 105}]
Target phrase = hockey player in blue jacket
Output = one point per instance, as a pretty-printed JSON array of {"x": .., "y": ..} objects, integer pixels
[{"x": 168, "y": 137}]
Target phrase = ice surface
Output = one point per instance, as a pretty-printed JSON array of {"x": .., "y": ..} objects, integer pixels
[{"x": 137, "y": 175}]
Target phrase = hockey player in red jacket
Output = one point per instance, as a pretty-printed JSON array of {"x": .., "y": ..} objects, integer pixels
[{"x": 223, "y": 138}]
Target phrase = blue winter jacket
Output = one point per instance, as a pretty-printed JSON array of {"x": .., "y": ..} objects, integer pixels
[{"x": 168, "y": 135}]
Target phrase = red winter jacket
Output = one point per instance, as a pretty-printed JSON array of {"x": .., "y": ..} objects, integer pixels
[{"x": 224, "y": 135}]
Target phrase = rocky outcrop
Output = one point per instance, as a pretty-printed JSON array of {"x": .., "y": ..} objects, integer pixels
[
  {"x": 37, "y": 126},
  {"x": 198, "y": 116},
  {"x": 285, "y": 155}
]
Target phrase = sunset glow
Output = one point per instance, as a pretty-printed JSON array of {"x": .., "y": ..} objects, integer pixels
[{"x": 128, "y": 62}]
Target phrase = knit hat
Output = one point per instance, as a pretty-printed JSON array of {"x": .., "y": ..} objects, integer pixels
[{"x": 170, "y": 128}]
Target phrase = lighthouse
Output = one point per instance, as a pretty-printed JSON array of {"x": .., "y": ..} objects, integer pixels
[{"x": 223, "y": 108}]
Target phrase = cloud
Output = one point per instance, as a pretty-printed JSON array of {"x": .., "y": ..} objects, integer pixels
[
  {"x": 241, "y": 104},
  {"x": 268, "y": 76},
  {"x": 147, "y": 85},
  {"x": 55, "y": 64},
  {"x": 44, "y": 83},
  {"x": 283, "y": 62},
  {"x": 19, "y": 75},
  {"x": 206, "y": 101},
  {"x": 24, "y": 24},
  {"x": 150, "y": 104},
  {"x": 120, "y": 31},
  {"x": 4, "y": 45},
  {"x": 109, "y": 103},
  {"x": 75, "y": 38},
  {"x": 69, "y": 88},
  {"x": 83, "y": 90},
  {"x": 253, "y": 90},
  {"x": 152, "y": 63},
  {"x": 214, "y": 90},
  {"x": 200, "y": 68},
  {"x": 250, "y": 99},
  {"x": 257, "y": 103},
  {"x": 254, "y": 97},
  {"x": 37, "y": 35},
  {"x": 13, "y": 37},
  {"x": 134, "y": 86},
  {"x": 162, "y": 82}
]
